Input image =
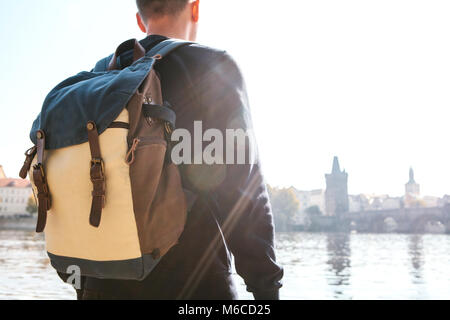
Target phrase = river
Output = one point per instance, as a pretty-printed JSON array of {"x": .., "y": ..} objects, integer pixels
[{"x": 317, "y": 266}]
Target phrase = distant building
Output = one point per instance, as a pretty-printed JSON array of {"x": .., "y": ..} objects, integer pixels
[
  {"x": 390, "y": 203},
  {"x": 357, "y": 203},
  {"x": 14, "y": 195},
  {"x": 336, "y": 193},
  {"x": 444, "y": 201},
  {"x": 412, "y": 193},
  {"x": 335, "y": 199},
  {"x": 412, "y": 188},
  {"x": 372, "y": 202},
  {"x": 430, "y": 201},
  {"x": 312, "y": 198}
]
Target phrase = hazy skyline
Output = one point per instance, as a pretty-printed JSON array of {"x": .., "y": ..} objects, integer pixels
[{"x": 367, "y": 81}]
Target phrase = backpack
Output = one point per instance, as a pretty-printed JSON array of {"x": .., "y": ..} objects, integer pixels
[{"x": 109, "y": 199}]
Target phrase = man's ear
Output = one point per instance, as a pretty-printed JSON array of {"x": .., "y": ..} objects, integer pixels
[
  {"x": 195, "y": 10},
  {"x": 141, "y": 23}
]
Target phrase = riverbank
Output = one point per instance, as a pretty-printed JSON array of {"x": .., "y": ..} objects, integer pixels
[{"x": 22, "y": 223}]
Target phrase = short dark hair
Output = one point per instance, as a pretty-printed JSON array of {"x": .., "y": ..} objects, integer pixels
[{"x": 154, "y": 8}]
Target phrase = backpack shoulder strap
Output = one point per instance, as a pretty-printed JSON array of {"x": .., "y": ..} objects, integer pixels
[{"x": 165, "y": 47}]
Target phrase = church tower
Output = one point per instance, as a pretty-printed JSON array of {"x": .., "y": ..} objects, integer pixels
[
  {"x": 412, "y": 188},
  {"x": 2, "y": 173},
  {"x": 336, "y": 194}
]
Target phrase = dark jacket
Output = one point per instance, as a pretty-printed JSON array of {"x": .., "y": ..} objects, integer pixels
[{"x": 232, "y": 212}]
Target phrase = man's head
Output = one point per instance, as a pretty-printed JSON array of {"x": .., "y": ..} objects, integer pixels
[{"x": 171, "y": 18}]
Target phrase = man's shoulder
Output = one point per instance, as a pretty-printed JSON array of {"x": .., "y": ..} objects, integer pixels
[
  {"x": 197, "y": 51},
  {"x": 199, "y": 58},
  {"x": 196, "y": 56}
]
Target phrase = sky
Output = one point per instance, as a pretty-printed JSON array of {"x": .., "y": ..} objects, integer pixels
[{"x": 367, "y": 81}]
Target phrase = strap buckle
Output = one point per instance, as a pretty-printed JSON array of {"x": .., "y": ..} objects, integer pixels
[
  {"x": 41, "y": 184},
  {"x": 98, "y": 179},
  {"x": 98, "y": 162},
  {"x": 40, "y": 167}
]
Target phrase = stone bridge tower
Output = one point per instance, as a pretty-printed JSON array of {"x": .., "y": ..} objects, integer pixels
[{"x": 336, "y": 194}]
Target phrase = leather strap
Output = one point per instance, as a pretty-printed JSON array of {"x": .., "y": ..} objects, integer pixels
[
  {"x": 40, "y": 146},
  {"x": 29, "y": 155},
  {"x": 132, "y": 44},
  {"x": 165, "y": 47},
  {"x": 97, "y": 173},
  {"x": 164, "y": 112},
  {"x": 160, "y": 51},
  {"x": 40, "y": 181},
  {"x": 119, "y": 125}
]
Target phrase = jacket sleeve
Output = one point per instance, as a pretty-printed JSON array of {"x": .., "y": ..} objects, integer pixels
[{"x": 241, "y": 197}]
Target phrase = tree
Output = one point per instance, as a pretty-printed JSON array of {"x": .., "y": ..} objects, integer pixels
[
  {"x": 313, "y": 211},
  {"x": 285, "y": 206},
  {"x": 31, "y": 205}
]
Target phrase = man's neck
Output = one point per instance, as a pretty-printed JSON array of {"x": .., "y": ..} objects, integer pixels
[{"x": 171, "y": 28}]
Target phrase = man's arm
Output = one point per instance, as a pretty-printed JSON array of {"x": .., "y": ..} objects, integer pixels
[{"x": 242, "y": 199}]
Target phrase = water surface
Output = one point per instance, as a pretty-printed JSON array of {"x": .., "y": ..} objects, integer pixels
[{"x": 317, "y": 266}]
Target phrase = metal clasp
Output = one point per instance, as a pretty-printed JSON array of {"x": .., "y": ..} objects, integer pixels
[{"x": 99, "y": 161}]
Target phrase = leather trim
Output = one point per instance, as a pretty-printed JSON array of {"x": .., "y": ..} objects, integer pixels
[
  {"x": 29, "y": 155},
  {"x": 132, "y": 44},
  {"x": 159, "y": 112},
  {"x": 165, "y": 47},
  {"x": 119, "y": 125}
]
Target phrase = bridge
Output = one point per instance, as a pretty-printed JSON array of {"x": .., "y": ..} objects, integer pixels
[{"x": 404, "y": 220}]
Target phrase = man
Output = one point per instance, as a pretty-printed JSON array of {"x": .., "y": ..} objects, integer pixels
[{"x": 232, "y": 211}]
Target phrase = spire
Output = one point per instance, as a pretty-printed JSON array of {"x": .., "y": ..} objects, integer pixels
[
  {"x": 2, "y": 173},
  {"x": 411, "y": 176},
  {"x": 336, "y": 167}
]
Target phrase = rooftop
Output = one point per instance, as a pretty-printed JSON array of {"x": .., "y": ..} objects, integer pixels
[{"x": 14, "y": 183}]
